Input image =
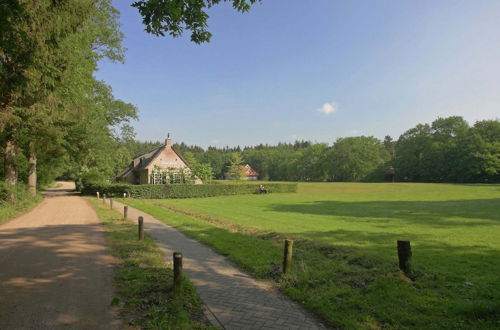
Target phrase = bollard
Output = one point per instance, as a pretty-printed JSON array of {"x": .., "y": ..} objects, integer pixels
[
  {"x": 124, "y": 195},
  {"x": 125, "y": 212},
  {"x": 97, "y": 193},
  {"x": 141, "y": 228},
  {"x": 404, "y": 255},
  {"x": 110, "y": 203},
  {"x": 287, "y": 258},
  {"x": 177, "y": 269},
  {"x": 104, "y": 198}
]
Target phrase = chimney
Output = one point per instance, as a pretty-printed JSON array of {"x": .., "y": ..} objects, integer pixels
[{"x": 168, "y": 140}]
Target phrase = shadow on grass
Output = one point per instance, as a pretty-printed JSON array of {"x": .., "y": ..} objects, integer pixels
[
  {"x": 435, "y": 214},
  {"x": 359, "y": 286}
]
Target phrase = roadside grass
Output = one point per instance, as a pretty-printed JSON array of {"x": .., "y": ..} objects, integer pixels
[
  {"x": 144, "y": 281},
  {"x": 9, "y": 211},
  {"x": 345, "y": 261}
]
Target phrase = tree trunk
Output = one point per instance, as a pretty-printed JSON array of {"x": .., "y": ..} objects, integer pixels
[
  {"x": 10, "y": 161},
  {"x": 32, "y": 169}
]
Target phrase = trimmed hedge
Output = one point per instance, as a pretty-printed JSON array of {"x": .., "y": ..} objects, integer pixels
[{"x": 151, "y": 191}]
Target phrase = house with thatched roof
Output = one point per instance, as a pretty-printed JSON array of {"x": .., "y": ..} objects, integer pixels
[{"x": 162, "y": 165}]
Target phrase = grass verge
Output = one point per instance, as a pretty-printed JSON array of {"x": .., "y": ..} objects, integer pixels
[
  {"x": 9, "y": 211},
  {"x": 144, "y": 282}
]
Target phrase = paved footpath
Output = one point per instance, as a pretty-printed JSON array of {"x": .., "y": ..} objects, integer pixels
[
  {"x": 234, "y": 300},
  {"x": 55, "y": 271}
]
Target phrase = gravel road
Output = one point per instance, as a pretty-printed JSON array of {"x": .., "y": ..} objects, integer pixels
[{"x": 55, "y": 272}]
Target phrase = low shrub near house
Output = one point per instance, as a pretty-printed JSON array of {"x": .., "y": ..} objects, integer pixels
[{"x": 185, "y": 190}]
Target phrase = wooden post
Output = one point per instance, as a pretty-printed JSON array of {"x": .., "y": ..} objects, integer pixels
[
  {"x": 125, "y": 212},
  {"x": 97, "y": 193},
  {"x": 110, "y": 203},
  {"x": 177, "y": 269},
  {"x": 141, "y": 228},
  {"x": 404, "y": 255},
  {"x": 104, "y": 198},
  {"x": 287, "y": 258}
]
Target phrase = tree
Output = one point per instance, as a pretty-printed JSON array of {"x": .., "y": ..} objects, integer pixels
[
  {"x": 48, "y": 53},
  {"x": 203, "y": 171},
  {"x": 174, "y": 16},
  {"x": 235, "y": 168},
  {"x": 355, "y": 158}
]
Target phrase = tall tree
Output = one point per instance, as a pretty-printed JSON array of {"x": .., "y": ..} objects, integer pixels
[
  {"x": 235, "y": 168},
  {"x": 355, "y": 158}
]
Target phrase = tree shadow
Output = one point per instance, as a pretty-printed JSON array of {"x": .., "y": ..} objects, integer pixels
[
  {"x": 436, "y": 214},
  {"x": 55, "y": 276}
]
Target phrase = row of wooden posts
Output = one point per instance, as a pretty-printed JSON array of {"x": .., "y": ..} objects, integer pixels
[
  {"x": 177, "y": 256},
  {"x": 404, "y": 249}
]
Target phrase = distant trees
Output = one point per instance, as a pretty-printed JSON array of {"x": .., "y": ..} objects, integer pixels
[
  {"x": 357, "y": 158},
  {"x": 447, "y": 150}
]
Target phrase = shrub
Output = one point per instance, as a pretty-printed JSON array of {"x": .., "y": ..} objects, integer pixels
[
  {"x": 185, "y": 190},
  {"x": 16, "y": 194}
]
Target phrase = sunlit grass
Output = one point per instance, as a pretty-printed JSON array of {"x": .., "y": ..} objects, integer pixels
[{"x": 345, "y": 266}]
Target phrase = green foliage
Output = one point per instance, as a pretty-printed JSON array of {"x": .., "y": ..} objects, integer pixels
[
  {"x": 203, "y": 171},
  {"x": 345, "y": 261},
  {"x": 156, "y": 191},
  {"x": 449, "y": 150},
  {"x": 355, "y": 158},
  {"x": 235, "y": 167},
  {"x": 174, "y": 16},
  {"x": 14, "y": 200}
]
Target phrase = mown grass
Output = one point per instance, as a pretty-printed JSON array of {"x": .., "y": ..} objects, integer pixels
[
  {"x": 345, "y": 260},
  {"x": 144, "y": 282}
]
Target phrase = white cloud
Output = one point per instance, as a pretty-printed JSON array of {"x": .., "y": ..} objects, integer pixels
[
  {"x": 328, "y": 108},
  {"x": 355, "y": 131},
  {"x": 215, "y": 142}
]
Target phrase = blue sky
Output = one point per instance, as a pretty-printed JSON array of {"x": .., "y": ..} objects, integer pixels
[{"x": 313, "y": 70}]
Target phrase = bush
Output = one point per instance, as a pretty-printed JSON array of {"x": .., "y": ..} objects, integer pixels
[
  {"x": 184, "y": 190},
  {"x": 16, "y": 194}
]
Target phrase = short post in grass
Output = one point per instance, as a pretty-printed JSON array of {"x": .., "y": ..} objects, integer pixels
[
  {"x": 125, "y": 212},
  {"x": 104, "y": 198},
  {"x": 97, "y": 193},
  {"x": 140, "y": 228},
  {"x": 404, "y": 255},
  {"x": 124, "y": 195},
  {"x": 287, "y": 258},
  {"x": 177, "y": 269},
  {"x": 110, "y": 203}
]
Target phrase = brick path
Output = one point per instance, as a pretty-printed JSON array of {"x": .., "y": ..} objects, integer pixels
[{"x": 234, "y": 300}]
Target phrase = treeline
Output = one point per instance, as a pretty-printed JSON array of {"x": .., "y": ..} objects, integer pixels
[
  {"x": 55, "y": 117},
  {"x": 447, "y": 150}
]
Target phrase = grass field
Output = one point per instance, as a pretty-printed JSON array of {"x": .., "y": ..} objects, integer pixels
[{"x": 345, "y": 260}]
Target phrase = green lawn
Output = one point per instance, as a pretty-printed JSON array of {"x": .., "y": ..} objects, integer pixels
[{"x": 345, "y": 260}]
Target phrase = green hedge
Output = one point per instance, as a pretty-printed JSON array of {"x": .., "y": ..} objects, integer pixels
[{"x": 185, "y": 190}]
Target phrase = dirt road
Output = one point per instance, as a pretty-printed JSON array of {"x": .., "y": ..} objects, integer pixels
[{"x": 55, "y": 272}]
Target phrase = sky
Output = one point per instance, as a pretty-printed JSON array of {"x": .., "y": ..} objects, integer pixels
[{"x": 312, "y": 70}]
